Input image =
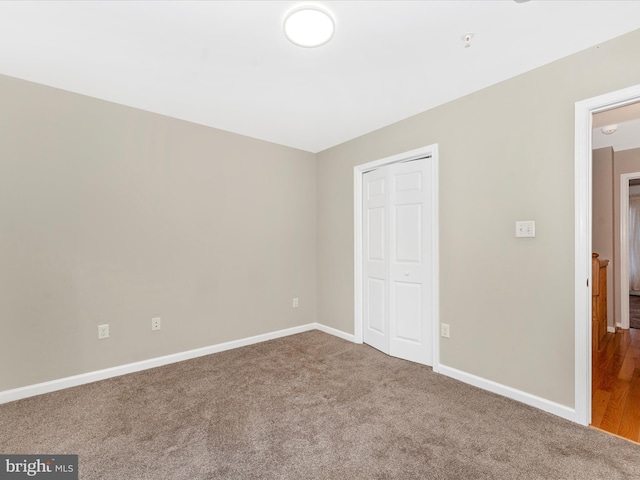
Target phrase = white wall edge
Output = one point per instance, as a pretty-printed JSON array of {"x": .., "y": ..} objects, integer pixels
[
  {"x": 509, "y": 392},
  {"x": 90, "y": 377},
  {"x": 613, "y": 329}
]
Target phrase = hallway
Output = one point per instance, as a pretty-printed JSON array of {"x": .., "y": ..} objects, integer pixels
[{"x": 616, "y": 385}]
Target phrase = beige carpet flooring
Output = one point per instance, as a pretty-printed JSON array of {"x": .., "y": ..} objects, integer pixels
[{"x": 309, "y": 406}]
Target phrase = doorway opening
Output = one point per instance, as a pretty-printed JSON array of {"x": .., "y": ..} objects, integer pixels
[
  {"x": 616, "y": 237},
  {"x": 584, "y": 111}
]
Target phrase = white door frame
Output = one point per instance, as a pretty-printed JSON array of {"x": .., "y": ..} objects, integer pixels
[
  {"x": 583, "y": 231},
  {"x": 624, "y": 247},
  {"x": 358, "y": 171}
]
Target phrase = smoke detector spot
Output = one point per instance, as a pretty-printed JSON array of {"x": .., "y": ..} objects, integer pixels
[{"x": 466, "y": 38}]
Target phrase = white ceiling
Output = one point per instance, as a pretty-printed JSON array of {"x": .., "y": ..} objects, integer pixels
[
  {"x": 227, "y": 64},
  {"x": 627, "y": 135}
]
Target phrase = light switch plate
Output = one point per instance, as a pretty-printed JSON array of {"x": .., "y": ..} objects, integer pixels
[{"x": 526, "y": 229}]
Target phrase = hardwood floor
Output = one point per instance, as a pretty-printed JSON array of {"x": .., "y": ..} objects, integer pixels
[{"x": 616, "y": 384}]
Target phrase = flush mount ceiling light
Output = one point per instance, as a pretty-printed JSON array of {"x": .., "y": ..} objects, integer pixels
[
  {"x": 309, "y": 26},
  {"x": 609, "y": 129}
]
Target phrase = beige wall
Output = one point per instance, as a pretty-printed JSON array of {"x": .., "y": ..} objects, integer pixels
[
  {"x": 602, "y": 214},
  {"x": 626, "y": 161},
  {"x": 113, "y": 215},
  {"x": 506, "y": 154}
]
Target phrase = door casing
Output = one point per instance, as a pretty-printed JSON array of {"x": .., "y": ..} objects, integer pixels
[
  {"x": 624, "y": 247},
  {"x": 583, "y": 231}
]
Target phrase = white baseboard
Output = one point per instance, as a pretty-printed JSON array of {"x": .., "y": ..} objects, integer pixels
[
  {"x": 335, "y": 332},
  {"x": 523, "y": 397},
  {"x": 611, "y": 329},
  {"x": 62, "y": 383},
  {"x": 89, "y": 377}
]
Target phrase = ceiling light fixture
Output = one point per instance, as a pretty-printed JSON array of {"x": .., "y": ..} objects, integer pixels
[
  {"x": 609, "y": 129},
  {"x": 309, "y": 26}
]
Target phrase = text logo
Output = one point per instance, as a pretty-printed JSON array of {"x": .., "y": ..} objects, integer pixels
[{"x": 49, "y": 467}]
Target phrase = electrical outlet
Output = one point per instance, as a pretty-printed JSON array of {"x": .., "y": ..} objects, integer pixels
[
  {"x": 103, "y": 331},
  {"x": 155, "y": 323},
  {"x": 444, "y": 330},
  {"x": 295, "y": 303}
]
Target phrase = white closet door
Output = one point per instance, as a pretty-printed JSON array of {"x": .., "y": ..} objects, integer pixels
[
  {"x": 376, "y": 259},
  {"x": 410, "y": 263},
  {"x": 397, "y": 260}
]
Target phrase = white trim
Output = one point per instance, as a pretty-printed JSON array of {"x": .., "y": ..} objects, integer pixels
[
  {"x": 89, "y": 377},
  {"x": 582, "y": 279},
  {"x": 509, "y": 392},
  {"x": 624, "y": 247},
  {"x": 611, "y": 329},
  {"x": 360, "y": 170},
  {"x": 583, "y": 231},
  {"x": 335, "y": 332},
  {"x": 357, "y": 256},
  {"x": 435, "y": 260}
]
